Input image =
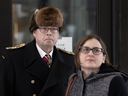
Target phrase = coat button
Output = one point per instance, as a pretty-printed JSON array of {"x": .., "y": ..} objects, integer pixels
[
  {"x": 34, "y": 94},
  {"x": 32, "y": 81}
]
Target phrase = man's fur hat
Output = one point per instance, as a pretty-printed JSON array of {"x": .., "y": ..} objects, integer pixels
[{"x": 49, "y": 16}]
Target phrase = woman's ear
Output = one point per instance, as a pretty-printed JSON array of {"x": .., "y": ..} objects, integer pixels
[{"x": 104, "y": 57}]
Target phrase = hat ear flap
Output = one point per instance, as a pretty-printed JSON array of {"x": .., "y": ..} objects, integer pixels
[{"x": 33, "y": 25}]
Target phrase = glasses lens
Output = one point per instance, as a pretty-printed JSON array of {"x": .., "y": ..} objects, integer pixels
[
  {"x": 43, "y": 30},
  {"x": 85, "y": 49},
  {"x": 97, "y": 51},
  {"x": 54, "y": 30}
]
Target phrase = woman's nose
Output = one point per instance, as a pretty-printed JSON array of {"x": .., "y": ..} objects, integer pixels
[{"x": 90, "y": 53}]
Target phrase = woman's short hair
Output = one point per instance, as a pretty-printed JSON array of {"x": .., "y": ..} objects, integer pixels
[
  {"x": 82, "y": 41},
  {"x": 47, "y": 16}
]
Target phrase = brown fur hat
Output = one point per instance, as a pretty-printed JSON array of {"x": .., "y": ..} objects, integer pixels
[
  {"x": 47, "y": 16},
  {"x": 33, "y": 25}
]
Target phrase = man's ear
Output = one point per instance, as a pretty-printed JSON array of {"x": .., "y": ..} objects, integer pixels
[{"x": 34, "y": 33}]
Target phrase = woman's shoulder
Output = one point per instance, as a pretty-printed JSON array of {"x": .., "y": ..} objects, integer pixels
[
  {"x": 72, "y": 75},
  {"x": 118, "y": 86},
  {"x": 118, "y": 80}
]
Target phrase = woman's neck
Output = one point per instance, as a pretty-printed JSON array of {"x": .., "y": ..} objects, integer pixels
[{"x": 87, "y": 72}]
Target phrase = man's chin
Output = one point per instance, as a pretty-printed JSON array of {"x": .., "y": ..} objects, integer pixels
[{"x": 49, "y": 45}]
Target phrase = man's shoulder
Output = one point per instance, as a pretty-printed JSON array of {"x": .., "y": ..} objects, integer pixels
[
  {"x": 66, "y": 52},
  {"x": 16, "y": 48},
  {"x": 14, "y": 51}
]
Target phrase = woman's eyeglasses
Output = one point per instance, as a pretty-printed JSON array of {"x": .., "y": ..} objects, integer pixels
[{"x": 95, "y": 50}]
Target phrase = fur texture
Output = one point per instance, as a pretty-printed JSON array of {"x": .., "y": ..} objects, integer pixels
[{"x": 49, "y": 16}]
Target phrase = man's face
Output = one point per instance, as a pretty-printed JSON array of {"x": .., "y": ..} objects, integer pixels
[{"x": 46, "y": 38}]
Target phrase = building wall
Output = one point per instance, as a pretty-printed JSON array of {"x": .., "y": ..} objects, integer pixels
[{"x": 5, "y": 24}]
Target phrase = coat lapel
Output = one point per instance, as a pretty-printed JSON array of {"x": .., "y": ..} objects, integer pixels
[
  {"x": 59, "y": 69},
  {"x": 34, "y": 63},
  {"x": 37, "y": 67}
]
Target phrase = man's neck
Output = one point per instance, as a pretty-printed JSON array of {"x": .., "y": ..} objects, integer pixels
[
  {"x": 43, "y": 51},
  {"x": 47, "y": 50}
]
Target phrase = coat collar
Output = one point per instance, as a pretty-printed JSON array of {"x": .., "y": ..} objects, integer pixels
[
  {"x": 31, "y": 53},
  {"x": 104, "y": 72},
  {"x": 34, "y": 65},
  {"x": 59, "y": 69}
]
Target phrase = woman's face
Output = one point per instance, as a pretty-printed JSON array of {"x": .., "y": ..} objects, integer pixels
[{"x": 90, "y": 60}]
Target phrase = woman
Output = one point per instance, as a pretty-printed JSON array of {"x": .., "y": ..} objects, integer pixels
[{"x": 96, "y": 76}]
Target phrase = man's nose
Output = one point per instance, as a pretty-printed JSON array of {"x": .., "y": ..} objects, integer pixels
[{"x": 49, "y": 31}]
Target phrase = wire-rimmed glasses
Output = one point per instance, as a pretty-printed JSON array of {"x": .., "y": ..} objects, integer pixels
[{"x": 45, "y": 30}]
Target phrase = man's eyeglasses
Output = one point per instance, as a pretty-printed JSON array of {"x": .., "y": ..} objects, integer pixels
[
  {"x": 45, "y": 30},
  {"x": 95, "y": 50}
]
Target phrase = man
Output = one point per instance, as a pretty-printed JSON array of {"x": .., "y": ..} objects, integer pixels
[{"x": 27, "y": 71}]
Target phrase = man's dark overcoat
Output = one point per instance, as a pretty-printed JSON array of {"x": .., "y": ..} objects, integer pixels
[{"x": 24, "y": 73}]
